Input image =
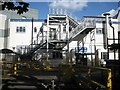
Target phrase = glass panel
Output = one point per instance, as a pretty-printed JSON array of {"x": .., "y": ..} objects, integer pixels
[
  {"x": 17, "y": 29},
  {"x": 35, "y": 29}
]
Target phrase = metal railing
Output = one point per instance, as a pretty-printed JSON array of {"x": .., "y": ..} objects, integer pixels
[
  {"x": 41, "y": 38},
  {"x": 93, "y": 78},
  {"x": 86, "y": 23}
]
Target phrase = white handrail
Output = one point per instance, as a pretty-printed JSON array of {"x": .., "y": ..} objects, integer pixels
[{"x": 86, "y": 23}]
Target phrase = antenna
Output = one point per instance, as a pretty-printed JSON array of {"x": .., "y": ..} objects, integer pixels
[
  {"x": 61, "y": 11},
  {"x": 53, "y": 11},
  {"x": 57, "y": 11}
]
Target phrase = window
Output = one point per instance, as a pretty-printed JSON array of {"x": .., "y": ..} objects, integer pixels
[
  {"x": 17, "y": 29},
  {"x": 35, "y": 29},
  {"x": 104, "y": 55},
  {"x": 99, "y": 30},
  {"x": 64, "y": 29},
  {"x": 57, "y": 55},
  {"x": 23, "y": 29},
  {"x": 52, "y": 33},
  {"x": 20, "y": 29}
]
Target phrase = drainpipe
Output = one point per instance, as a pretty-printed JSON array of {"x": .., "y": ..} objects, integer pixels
[
  {"x": 119, "y": 44},
  {"x": 32, "y": 34},
  {"x": 106, "y": 29},
  {"x": 105, "y": 34},
  {"x": 113, "y": 37}
]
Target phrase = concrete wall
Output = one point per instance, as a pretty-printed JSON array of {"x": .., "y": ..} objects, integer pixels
[
  {"x": 17, "y": 39},
  {"x": 97, "y": 41},
  {"x": 4, "y": 31},
  {"x": 119, "y": 20},
  {"x": 4, "y": 24}
]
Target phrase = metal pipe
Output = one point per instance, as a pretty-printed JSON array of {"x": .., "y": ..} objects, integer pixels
[
  {"x": 66, "y": 25},
  {"x": 119, "y": 44},
  {"x": 108, "y": 50},
  {"x": 47, "y": 48},
  {"x": 113, "y": 37},
  {"x": 113, "y": 32},
  {"x": 32, "y": 33},
  {"x": 106, "y": 30},
  {"x": 47, "y": 34}
]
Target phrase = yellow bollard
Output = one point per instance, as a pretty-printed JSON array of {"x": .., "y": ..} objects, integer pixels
[
  {"x": 109, "y": 83},
  {"x": 15, "y": 69},
  {"x": 89, "y": 72},
  {"x": 47, "y": 64}
]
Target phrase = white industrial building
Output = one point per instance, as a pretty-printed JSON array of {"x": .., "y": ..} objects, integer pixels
[
  {"x": 5, "y": 28},
  {"x": 6, "y": 32},
  {"x": 21, "y": 32},
  {"x": 16, "y": 34}
]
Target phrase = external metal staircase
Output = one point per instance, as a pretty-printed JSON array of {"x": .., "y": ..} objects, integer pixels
[
  {"x": 40, "y": 43},
  {"x": 82, "y": 29},
  {"x": 77, "y": 31}
]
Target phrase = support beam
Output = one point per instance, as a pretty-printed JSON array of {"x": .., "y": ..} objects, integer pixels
[{"x": 119, "y": 44}]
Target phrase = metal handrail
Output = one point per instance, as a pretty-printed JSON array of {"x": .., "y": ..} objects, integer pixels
[{"x": 86, "y": 23}]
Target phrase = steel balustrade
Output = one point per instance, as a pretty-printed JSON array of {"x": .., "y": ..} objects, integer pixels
[{"x": 86, "y": 23}]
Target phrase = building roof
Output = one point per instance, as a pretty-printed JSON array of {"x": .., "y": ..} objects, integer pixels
[{"x": 5, "y": 51}]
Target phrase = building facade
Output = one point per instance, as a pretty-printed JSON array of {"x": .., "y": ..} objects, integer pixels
[
  {"x": 18, "y": 34},
  {"x": 4, "y": 31},
  {"x": 5, "y": 17},
  {"x": 23, "y": 32}
]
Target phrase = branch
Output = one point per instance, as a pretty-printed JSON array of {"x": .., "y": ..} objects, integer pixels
[{"x": 21, "y": 7}]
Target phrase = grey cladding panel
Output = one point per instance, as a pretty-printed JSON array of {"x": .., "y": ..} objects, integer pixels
[{"x": 4, "y": 33}]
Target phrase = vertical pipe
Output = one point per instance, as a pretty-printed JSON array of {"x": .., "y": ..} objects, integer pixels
[
  {"x": 106, "y": 29},
  {"x": 113, "y": 38},
  {"x": 92, "y": 62},
  {"x": 47, "y": 42},
  {"x": 47, "y": 33},
  {"x": 108, "y": 50},
  {"x": 37, "y": 38},
  {"x": 67, "y": 30},
  {"x": 83, "y": 51},
  {"x": 32, "y": 33},
  {"x": 78, "y": 42},
  {"x": 60, "y": 32},
  {"x": 67, "y": 27},
  {"x": 119, "y": 44}
]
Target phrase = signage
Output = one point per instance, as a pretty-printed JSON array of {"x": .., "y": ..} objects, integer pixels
[{"x": 81, "y": 49}]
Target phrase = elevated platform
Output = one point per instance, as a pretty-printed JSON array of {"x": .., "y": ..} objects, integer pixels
[
  {"x": 80, "y": 35},
  {"x": 82, "y": 29}
]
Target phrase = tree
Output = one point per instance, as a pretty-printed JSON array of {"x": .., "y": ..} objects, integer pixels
[{"x": 19, "y": 6}]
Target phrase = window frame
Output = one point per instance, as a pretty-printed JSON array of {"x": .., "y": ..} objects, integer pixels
[
  {"x": 99, "y": 30},
  {"x": 20, "y": 29},
  {"x": 35, "y": 29}
]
